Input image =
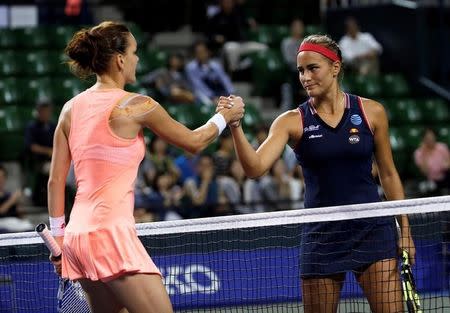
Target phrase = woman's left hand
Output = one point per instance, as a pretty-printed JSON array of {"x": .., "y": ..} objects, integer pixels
[{"x": 407, "y": 243}]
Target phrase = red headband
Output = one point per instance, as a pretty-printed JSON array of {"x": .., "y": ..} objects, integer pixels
[{"x": 319, "y": 49}]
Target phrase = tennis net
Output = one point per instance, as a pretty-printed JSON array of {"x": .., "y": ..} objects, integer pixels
[{"x": 252, "y": 263}]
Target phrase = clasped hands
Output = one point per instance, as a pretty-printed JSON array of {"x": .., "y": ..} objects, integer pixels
[{"x": 232, "y": 109}]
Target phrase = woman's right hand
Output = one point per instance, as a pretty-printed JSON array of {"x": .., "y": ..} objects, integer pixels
[
  {"x": 232, "y": 109},
  {"x": 57, "y": 260},
  {"x": 56, "y": 264}
]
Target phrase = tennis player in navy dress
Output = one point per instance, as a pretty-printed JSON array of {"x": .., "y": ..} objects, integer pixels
[{"x": 335, "y": 137}]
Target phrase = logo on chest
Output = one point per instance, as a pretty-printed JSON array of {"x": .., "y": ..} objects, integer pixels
[
  {"x": 356, "y": 119},
  {"x": 353, "y": 139},
  {"x": 311, "y": 128}
]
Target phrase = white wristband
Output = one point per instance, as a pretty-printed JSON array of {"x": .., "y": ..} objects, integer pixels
[
  {"x": 219, "y": 121},
  {"x": 57, "y": 225}
]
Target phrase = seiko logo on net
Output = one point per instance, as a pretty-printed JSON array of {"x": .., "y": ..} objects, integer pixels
[
  {"x": 194, "y": 278},
  {"x": 311, "y": 128}
]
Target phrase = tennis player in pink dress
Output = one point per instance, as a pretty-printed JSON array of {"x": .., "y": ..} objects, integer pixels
[{"x": 100, "y": 131}]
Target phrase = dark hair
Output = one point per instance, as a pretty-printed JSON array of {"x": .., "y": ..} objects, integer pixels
[
  {"x": 3, "y": 169},
  {"x": 429, "y": 129},
  {"x": 327, "y": 42},
  {"x": 43, "y": 104},
  {"x": 199, "y": 42},
  {"x": 91, "y": 49},
  {"x": 176, "y": 55}
]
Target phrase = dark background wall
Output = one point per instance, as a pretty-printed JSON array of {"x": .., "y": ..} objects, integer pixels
[{"x": 415, "y": 41}]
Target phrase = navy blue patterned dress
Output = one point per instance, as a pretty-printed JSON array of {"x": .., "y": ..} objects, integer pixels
[{"x": 337, "y": 165}]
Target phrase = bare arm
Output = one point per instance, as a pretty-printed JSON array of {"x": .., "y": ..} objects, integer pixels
[
  {"x": 41, "y": 149},
  {"x": 389, "y": 178},
  {"x": 12, "y": 200},
  {"x": 256, "y": 163},
  {"x": 60, "y": 164},
  {"x": 162, "y": 124}
]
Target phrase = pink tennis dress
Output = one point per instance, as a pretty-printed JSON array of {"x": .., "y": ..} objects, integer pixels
[{"x": 100, "y": 241}]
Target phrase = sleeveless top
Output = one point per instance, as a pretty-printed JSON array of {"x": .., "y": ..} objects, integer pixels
[
  {"x": 337, "y": 162},
  {"x": 100, "y": 241}
]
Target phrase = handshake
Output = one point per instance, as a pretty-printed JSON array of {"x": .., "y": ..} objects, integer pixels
[{"x": 232, "y": 109}]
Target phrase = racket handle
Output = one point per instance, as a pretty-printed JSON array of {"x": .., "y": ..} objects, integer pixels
[{"x": 49, "y": 241}]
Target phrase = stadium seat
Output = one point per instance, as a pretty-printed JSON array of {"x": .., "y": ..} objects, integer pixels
[
  {"x": 187, "y": 114},
  {"x": 37, "y": 90},
  {"x": 262, "y": 35},
  {"x": 398, "y": 146},
  {"x": 395, "y": 85},
  {"x": 63, "y": 89},
  {"x": 10, "y": 63},
  {"x": 137, "y": 32},
  {"x": 313, "y": 29},
  {"x": 348, "y": 84},
  {"x": 32, "y": 37},
  {"x": 10, "y": 92},
  {"x": 252, "y": 117},
  {"x": 268, "y": 72},
  {"x": 435, "y": 111},
  {"x": 151, "y": 60},
  {"x": 10, "y": 119},
  {"x": 8, "y": 39},
  {"x": 413, "y": 136},
  {"x": 404, "y": 111},
  {"x": 58, "y": 63},
  {"x": 14, "y": 141},
  {"x": 367, "y": 86},
  {"x": 271, "y": 35},
  {"x": 444, "y": 134},
  {"x": 38, "y": 63},
  {"x": 60, "y": 36}
]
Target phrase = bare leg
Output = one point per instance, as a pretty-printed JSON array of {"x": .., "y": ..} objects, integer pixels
[
  {"x": 101, "y": 300},
  {"x": 321, "y": 295},
  {"x": 141, "y": 293},
  {"x": 381, "y": 285}
]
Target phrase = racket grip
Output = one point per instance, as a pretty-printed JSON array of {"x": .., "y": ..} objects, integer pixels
[{"x": 49, "y": 241}]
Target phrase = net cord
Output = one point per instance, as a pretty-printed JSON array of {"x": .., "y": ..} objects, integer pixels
[{"x": 334, "y": 213}]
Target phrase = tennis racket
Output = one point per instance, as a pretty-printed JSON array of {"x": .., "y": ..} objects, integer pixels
[
  {"x": 71, "y": 297},
  {"x": 410, "y": 294}
]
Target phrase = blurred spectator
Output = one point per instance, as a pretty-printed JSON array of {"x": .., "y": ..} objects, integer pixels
[
  {"x": 154, "y": 170},
  {"x": 247, "y": 190},
  {"x": 223, "y": 158},
  {"x": 276, "y": 187},
  {"x": 166, "y": 198},
  {"x": 433, "y": 159},
  {"x": 161, "y": 161},
  {"x": 207, "y": 76},
  {"x": 360, "y": 50},
  {"x": 202, "y": 191},
  {"x": 171, "y": 81},
  {"x": 224, "y": 155},
  {"x": 39, "y": 145},
  {"x": 10, "y": 216},
  {"x": 290, "y": 45},
  {"x": 261, "y": 134},
  {"x": 186, "y": 163},
  {"x": 291, "y": 92},
  {"x": 227, "y": 29}
]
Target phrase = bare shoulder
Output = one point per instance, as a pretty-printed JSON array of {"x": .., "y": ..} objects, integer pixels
[
  {"x": 375, "y": 112},
  {"x": 134, "y": 105},
  {"x": 291, "y": 123},
  {"x": 289, "y": 118},
  {"x": 372, "y": 107}
]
